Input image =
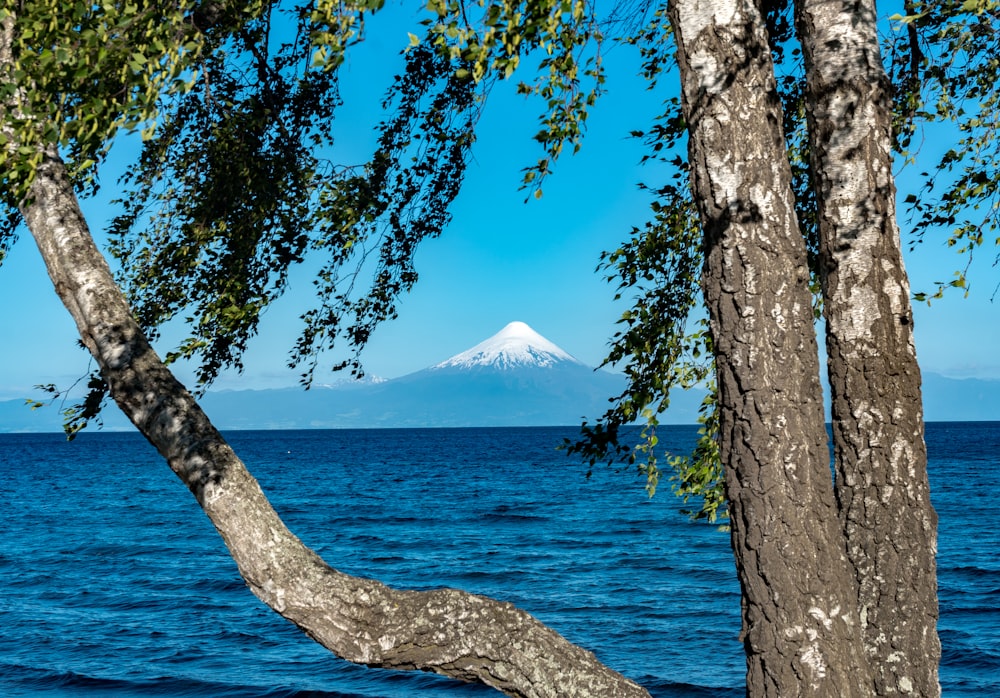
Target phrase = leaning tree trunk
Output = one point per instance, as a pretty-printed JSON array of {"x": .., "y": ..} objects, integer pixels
[
  {"x": 801, "y": 630},
  {"x": 446, "y": 631},
  {"x": 881, "y": 460}
]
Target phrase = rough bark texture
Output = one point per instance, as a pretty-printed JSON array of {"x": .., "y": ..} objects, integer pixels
[
  {"x": 801, "y": 627},
  {"x": 446, "y": 631},
  {"x": 881, "y": 460}
]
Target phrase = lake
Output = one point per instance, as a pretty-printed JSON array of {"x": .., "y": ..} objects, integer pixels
[{"x": 117, "y": 585}]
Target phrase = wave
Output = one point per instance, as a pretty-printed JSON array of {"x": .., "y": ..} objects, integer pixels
[
  {"x": 27, "y": 681},
  {"x": 678, "y": 689}
]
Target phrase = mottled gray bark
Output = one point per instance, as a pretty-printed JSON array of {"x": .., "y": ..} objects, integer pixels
[
  {"x": 801, "y": 627},
  {"x": 881, "y": 460},
  {"x": 446, "y": 631}
]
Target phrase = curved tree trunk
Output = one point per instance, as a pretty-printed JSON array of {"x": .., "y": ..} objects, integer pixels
[
  {"x": 881, "y": 459},
  {"x": 801, "y": 629},
  {"x": 445, "y": 631}
]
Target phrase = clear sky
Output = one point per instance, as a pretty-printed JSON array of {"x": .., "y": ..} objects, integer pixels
[{"x": 500, "y": 260}]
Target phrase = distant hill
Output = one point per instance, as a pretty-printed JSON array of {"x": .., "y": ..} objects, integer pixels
[
  {"x": 515, "y": 378},
  {"x": 960, "y": 399}
]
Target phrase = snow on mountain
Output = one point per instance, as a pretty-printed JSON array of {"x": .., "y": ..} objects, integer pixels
[
  {"x": 352, "y": 382},
  {"x": 515, "y": 346},
  {"x": 515, "y": 378}
]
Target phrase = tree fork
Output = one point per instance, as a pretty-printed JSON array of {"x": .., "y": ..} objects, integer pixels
[{"x": 800, "y": 626}]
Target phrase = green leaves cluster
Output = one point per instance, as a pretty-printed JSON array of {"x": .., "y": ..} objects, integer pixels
[
  {"x": 219, "y": 205},
  {"x": 946, "y": 64},
  {"x": 82, "y": 72},
  {"x": 232, "y": 187},
  {"x": 234, "y": 190},
  {"x": 560, "y": 39},
  {"x": 77, "y": 415},
  {"x": 231, "y": 190},
  {"x": 333, "y": 26},
  {"x": 661, "y": 347},
  {"x": 378, "y": 215}
]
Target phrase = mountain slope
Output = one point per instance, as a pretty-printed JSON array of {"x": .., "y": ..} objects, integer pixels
[
  {"x": 517, "y": 377},
  {"x": 515, "y": 346}
]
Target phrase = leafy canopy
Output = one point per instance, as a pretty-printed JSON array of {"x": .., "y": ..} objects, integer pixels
[{"x": 946, "y": 66}]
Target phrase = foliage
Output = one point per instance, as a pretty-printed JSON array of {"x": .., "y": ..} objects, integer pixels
[
  {"x": 82, "y": 71},
  {"x": 699, "y": 475},
  {"x": 233, "y": 191},
  {"x": 491, "y": 38},
  {"x": 78, "y": 415},
  {"x": 397, "y": 205},
  {"x": 216, "y": 208},
  {"x": 232, "y": 188},
  {"x": 660, "y": 266},
  {"x": 945, "y": 63}
]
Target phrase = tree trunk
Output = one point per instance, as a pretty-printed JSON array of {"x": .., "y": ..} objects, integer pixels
[
  {"x": 445, "y": 631},
  {"x": 801, "y": 629},
  {"x": 881, "y": 460}
]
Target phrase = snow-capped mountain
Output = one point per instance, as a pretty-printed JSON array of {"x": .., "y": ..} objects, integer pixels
[
  {"x": 517, "y": 377},
  {"x": 515, "y": 346},
  {"x": 514, "y": 378}
]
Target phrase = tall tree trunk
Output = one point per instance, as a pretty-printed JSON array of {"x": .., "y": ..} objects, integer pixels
[
  {"x": 445, "y": 631},
  {"x": 801, "y": 629},
  {"x": 881, "y": 460}
]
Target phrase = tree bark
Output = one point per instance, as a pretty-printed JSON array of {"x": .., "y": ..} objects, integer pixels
[
  {"x": 801, "y": 628},
  {"x": 879, "y": 451},
  {"x": 445, "y": 631}
]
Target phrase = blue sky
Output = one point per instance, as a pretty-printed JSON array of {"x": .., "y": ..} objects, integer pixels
[{"x": 501, "y": 259}]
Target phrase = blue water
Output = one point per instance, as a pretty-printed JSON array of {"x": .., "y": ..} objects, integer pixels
[{"x": 115, "y": 584}]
